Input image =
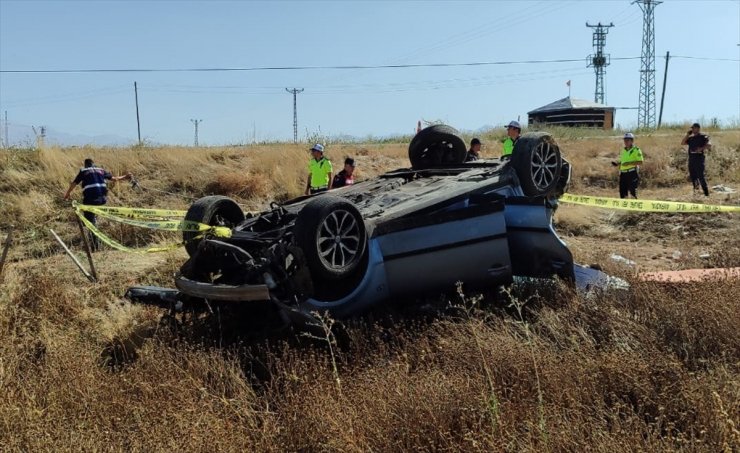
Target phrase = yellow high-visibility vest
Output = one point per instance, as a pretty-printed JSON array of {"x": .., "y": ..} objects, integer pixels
[
  {"x": 319, "y": 170},
  {"x": 509, "y": 146},
  {"x": 630, "y": 158}
]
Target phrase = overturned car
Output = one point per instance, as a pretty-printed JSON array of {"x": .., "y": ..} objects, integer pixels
[{"x": 408, "y": 232}]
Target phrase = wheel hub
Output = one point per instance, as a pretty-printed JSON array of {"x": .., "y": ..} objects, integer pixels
[
  {"x": 544, "y": 165},
  {"x": 338, "y": 239}
]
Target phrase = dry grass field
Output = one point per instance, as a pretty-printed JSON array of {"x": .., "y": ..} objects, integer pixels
[{"x": 654, "y": 368}]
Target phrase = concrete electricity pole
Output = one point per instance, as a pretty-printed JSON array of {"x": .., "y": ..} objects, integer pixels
[
  {"x": 646, "y": 106},
  {"x": 138, "y": 123},
  {"x": 295, "y": 92},
  {"x": 7, "y": 143},
  {"x": 196, "y": 122},
  {"x": 600, "y": 60}
]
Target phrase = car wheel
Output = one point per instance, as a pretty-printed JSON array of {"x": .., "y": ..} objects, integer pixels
[
  {"x": 564, "y": 180},
  {"x": 215, "y": 210},
  {"x": 536, "y": 159},
  {"x": 332, "y": 235},
  {"x": 436, "y": 145}
]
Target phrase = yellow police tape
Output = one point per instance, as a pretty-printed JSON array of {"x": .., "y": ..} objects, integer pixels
[
  {"x": 133, "y": 213},
  {"x": 146, "y": 218},
  {"x": 162, "y": 219},
  {"x": 645, "y": 205},
  {"x": 166, "y": 225}
]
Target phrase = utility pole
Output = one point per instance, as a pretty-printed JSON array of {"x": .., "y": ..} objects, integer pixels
[
  {"x": 196, "y": 122},
  {"x": 599, "y": 60},
  {"x": 646, "y": 106},
  {"x": 662, "y": 96},
  {"x": 295, "y": 92},
  {"x": 138, "y": 123},
  {"x": 7, "y": 143}
]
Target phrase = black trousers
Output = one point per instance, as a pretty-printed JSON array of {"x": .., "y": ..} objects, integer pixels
[
  {"x": 94, "y": 242},
  {"x": 696, "y": 172},
  {"x": 313, "y": 191},
  {"x": 628, "y": 182}
]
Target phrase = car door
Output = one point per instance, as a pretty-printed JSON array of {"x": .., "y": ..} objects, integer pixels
[{"x": 465, "y": 241}]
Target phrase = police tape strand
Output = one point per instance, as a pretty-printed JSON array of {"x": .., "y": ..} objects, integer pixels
[
  {"x": 117, "y": 245},
  {"x": 132, "y": 213},
  {"x": 129, "y": 216},
  {"x": 162, "y": 219},
  {"x": 166, "y": 225},
  {"x": 645, "y": 205}
]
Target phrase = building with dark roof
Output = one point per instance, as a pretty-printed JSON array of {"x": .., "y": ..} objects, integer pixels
[{"x": 573, "y": 112}]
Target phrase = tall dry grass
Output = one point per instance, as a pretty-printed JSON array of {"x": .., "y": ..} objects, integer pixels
[
  {"x": 32, "y": 182},
  {"x": 655, "y": 368}
]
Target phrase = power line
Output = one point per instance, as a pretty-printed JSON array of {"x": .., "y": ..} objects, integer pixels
[
  {"x": 705, "y": 58},
  {"x": 338, "y": 67},
  {"x": 481, "y": 31},
  {"x": 295, "y": 68}
]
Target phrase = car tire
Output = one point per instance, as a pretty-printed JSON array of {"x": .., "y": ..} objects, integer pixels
[
  {"x": 564, "y": 180},
  {"x": 435, "y": 146},
  {"x": 215, "y": 210},
  {"x": 537, "y": 162},
  {"x": 331, "y": 233}
]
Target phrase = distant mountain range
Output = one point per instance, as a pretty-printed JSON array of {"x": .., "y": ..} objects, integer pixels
[{"x": 20, "y": 135}]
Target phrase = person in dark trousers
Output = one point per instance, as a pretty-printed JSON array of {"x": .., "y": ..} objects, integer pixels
[
  {"x": 629, "y": 163},
  {"x": 474, "y": 151},
  {"x": 94, "y": 189},
  {"x": 346, "y": 177},
  {"x": 698, "y": 144},
  {"x": 319, "y": 171},
  {"x": 513, "y": 132}
]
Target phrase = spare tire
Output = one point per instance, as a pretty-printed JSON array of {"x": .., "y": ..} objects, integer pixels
[
  {"x": 536, "y": 159},
  {"x": 435, "y": 146},
  {"x": 215, "y": 210},
  {"x": 331, "y": 232}
]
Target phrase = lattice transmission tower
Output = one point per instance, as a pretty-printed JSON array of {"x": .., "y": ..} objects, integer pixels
[
  {"x": 295, "y": 92},
  {"x": 599, "y": 60},
  {"x": 646, "y": 106},
  {"x": 196, "y": 123}
]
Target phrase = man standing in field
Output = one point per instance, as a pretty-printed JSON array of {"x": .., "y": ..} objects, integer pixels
[
  {"x": 698, "y": 144},
  {"x": 94, "y": 188},
  {"x": 629, "y": 164},
  {"x": 345, "y": 177},
  {"x": 474, "y": 151},
  {"x": 513, "y": 130},
  {"x": 319, "y": 171}
]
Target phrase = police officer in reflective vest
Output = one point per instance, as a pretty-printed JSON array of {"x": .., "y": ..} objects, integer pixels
[
  {"x": 319, "y": 171},
  {"x": 94, "y": 188},
  {"x": 513, "y": 130},
  {"x": 629, "y": 164}
]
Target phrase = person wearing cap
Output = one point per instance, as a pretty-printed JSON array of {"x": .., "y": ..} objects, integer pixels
[
  {"x": 698, "y": 144},
  {"x": 94, "y": 188},
  {"x": 346, "y": 176},
  {"x": 513, "y": 130},
  {"x": 629, "y": 163},
  {"x": 319, "y": 171},
  {"x": 474, "y": 151}
]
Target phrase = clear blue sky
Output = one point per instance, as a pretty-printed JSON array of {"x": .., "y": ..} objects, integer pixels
[{"x": 43, "y": 35}]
